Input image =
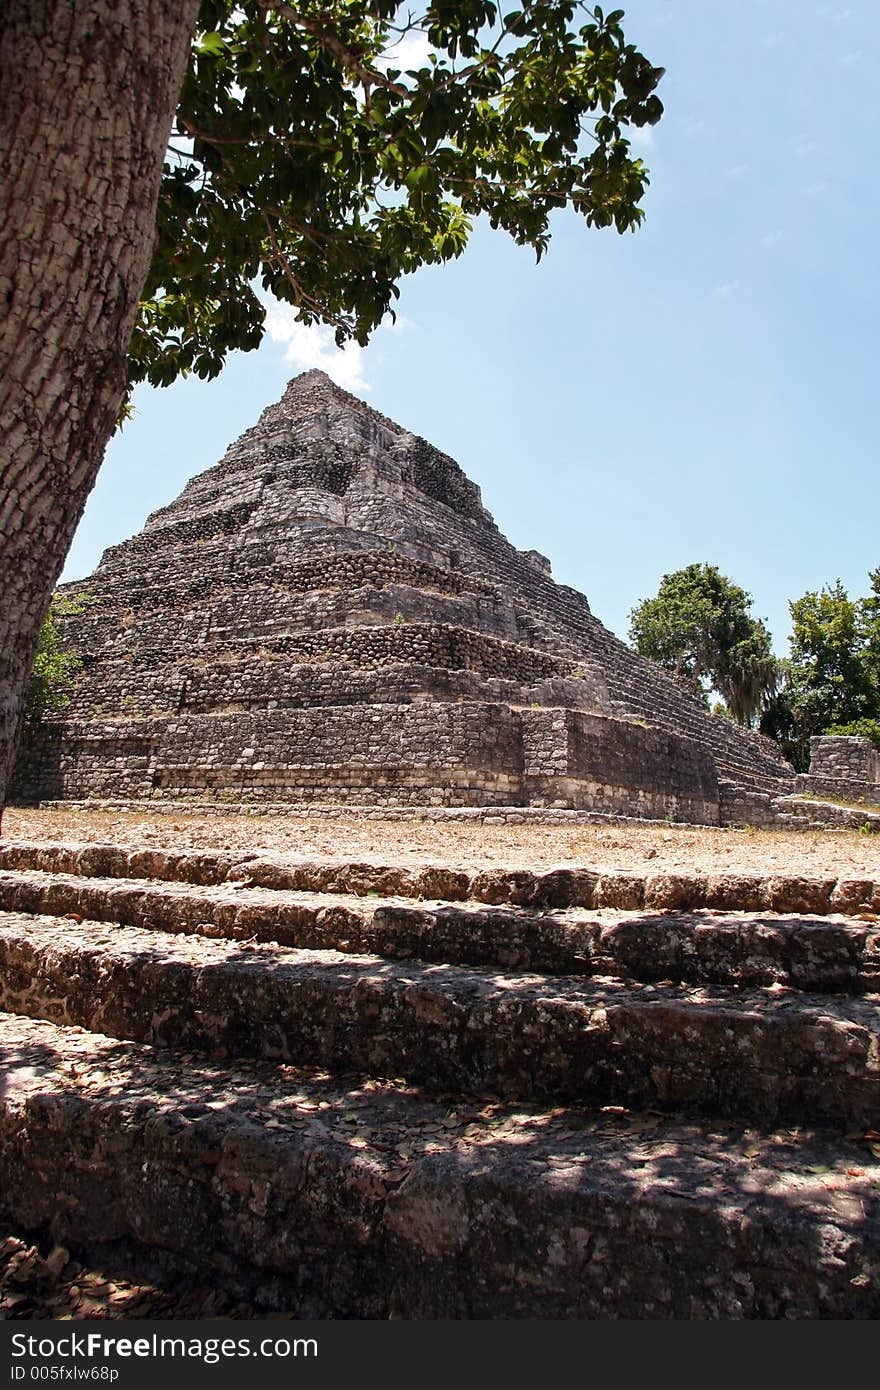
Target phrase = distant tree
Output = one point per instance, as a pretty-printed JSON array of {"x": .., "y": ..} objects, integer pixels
[
  {"x": 748, "y": 677},
  {"x": 776, "y": 720},
  {"x": 699, "y": 628},
  {"x": 832, "y": 673},
  {"x": 301, "y": 156},
  {"x": 868, "y": 622}
]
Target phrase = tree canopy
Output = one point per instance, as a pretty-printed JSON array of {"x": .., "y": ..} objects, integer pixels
[
  {"x": 698, "y": 627},
  {"x": 868, "y": 620},
  {"x": 307, "y": 160},
  {"x": 832, "y": 678}
]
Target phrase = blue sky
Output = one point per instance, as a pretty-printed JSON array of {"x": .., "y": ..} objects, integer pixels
[{"x": 702, "y": 390}]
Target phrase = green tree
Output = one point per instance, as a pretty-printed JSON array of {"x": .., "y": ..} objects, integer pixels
[
  {"x": 868, "y": 623},
  {"x": 301, "y": 159},
  {"x": 832, "y": 679},
  {"x": 748, "y": 674},
  {"x": 698, "y": 628},
  {"x": 56, "y": 665}
]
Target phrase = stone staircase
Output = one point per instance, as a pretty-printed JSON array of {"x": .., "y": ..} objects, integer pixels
[{"x": 370, "y": 1091}]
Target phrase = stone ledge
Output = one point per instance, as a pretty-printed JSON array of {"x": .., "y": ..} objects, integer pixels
[
  {"x": 329, "y": 1199},
  {"x": 739, "y": 948},
  {"x": 530, "y": 1037},
  {"x": 846, "y": 789},
  {"x": 824, "y": 813},
  {"x": 554, "y": 888}
]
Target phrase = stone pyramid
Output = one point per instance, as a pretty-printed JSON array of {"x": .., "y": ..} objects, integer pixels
[{"x": 330, "y": 615}]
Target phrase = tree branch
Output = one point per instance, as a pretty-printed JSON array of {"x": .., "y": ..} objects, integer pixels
[
  {"x": 336, "y": 48},
  {"x": 299, "y": 294}
]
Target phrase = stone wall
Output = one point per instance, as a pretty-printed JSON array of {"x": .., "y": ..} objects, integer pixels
[
  {"x": 425, "y": 753},
  {"x": 587, "y": 762},
  {"x": 744, "y": 805},
  {"x": 842, "y": 766},
  {"x": 69, "y": 761},
  {"x": 452, "y": 753},
  {"x": 294, "y": 669}
]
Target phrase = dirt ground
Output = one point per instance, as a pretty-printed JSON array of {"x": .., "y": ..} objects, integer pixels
[{"x": 469, "y": 845}]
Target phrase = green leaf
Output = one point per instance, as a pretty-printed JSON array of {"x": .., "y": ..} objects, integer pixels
[{"x": 212, "y": 44}]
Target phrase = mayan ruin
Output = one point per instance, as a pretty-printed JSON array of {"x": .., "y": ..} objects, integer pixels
[{"x": 331, "y": 616}]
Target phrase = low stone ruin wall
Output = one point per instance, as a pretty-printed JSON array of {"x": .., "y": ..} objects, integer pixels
[
  {"x": 424, "y": 753},
  {"x": 746, "y": 805},
  {"x": 844, "y": 767},
  {"x": 851, "y": 758},
  {"x": 72, "y": 761}
]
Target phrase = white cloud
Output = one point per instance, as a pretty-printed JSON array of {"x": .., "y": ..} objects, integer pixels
[
  {"x": 411, "y": 52},
  {"x": 726, "y": 289},
  {"x": 312, "y": 345},
  {"x": 771, "y": 238}
]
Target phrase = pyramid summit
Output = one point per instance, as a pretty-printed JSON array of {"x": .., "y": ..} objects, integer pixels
[{"x": 331, "y": 615}]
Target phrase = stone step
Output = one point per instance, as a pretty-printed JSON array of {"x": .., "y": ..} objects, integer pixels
[
  {"x": 798, "y": 951},
  {"x": 327, "y": 1197},
  {"x": 761, "y": 1053},
  {"x": 821, "y": 813},
  {"x": 551, "y": 888}
]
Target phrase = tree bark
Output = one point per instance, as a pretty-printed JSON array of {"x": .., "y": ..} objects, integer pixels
[{"x": 87, "y": 93}]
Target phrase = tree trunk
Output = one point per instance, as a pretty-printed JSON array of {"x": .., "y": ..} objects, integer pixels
[{"x": 87, "y": 93}]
